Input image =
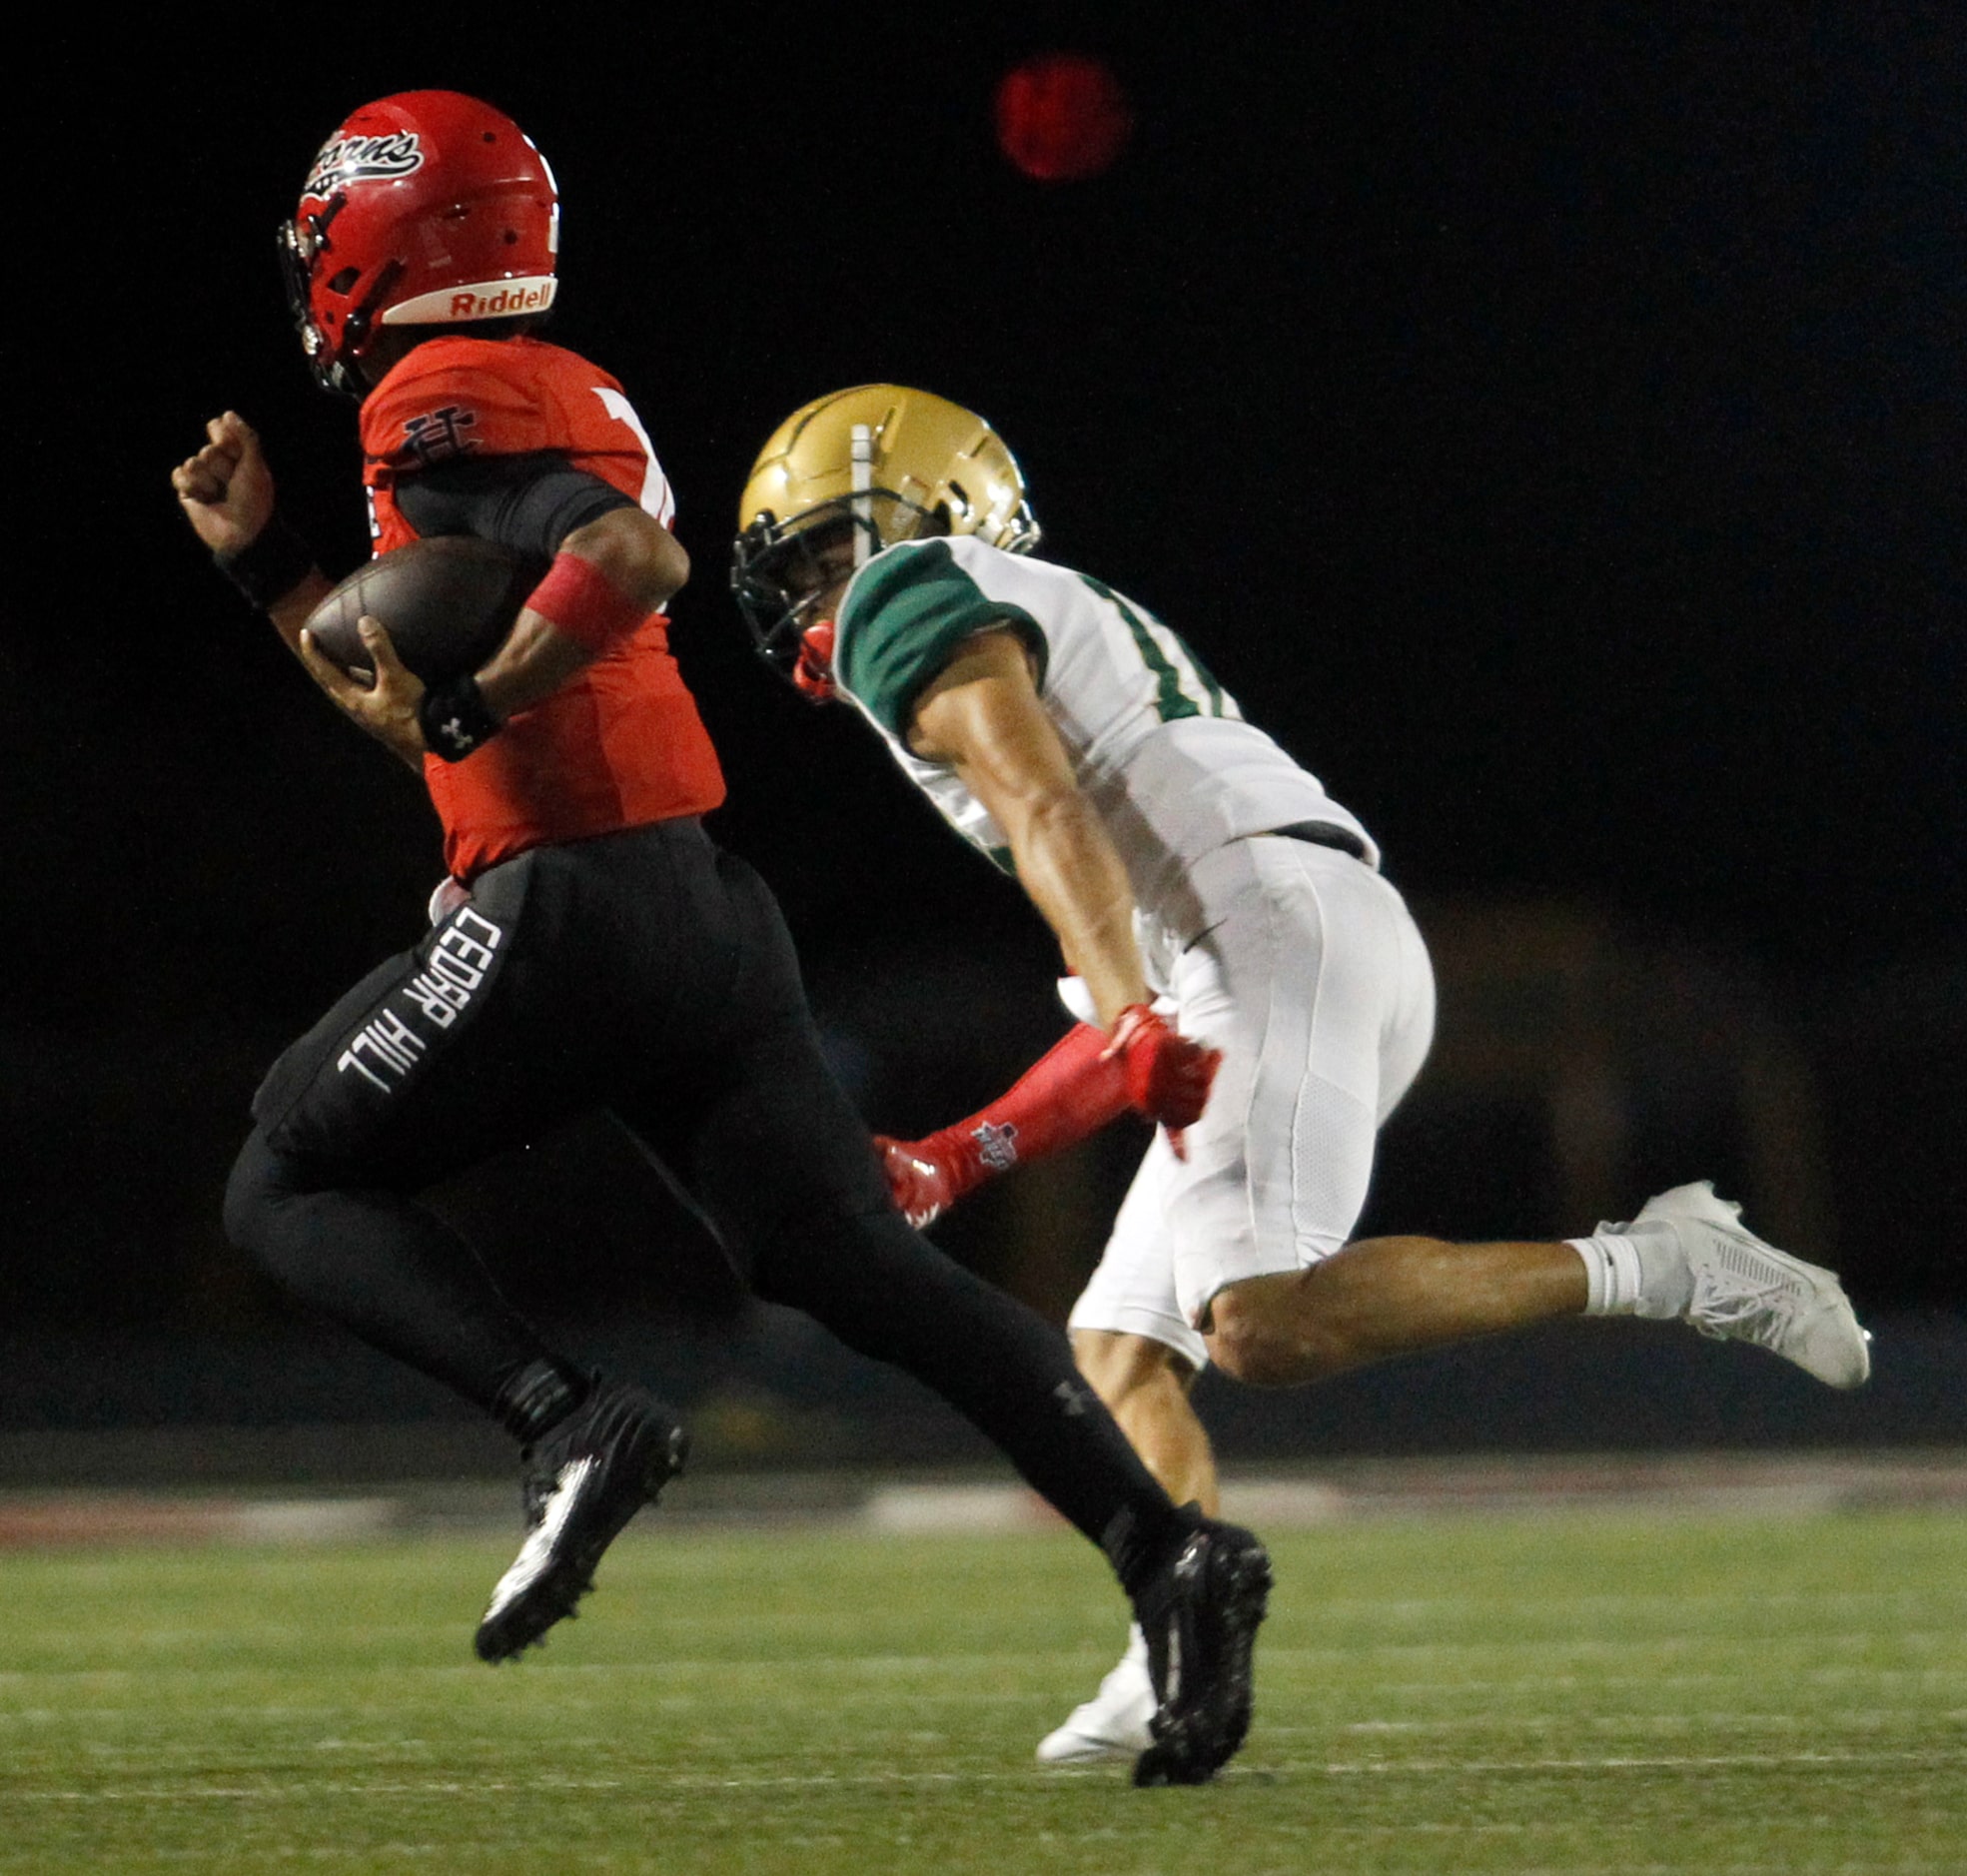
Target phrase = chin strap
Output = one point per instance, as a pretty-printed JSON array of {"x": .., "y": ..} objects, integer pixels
[{"x": 812, "y": 669}]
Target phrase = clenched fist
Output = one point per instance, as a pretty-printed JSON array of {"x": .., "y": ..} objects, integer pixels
[
  {"x": 1168, "y": 1075},
  {"x": 226, "y": 490},
  {"x": 924, "y": 1187}
]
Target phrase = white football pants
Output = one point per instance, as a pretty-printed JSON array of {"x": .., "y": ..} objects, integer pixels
[{"x": 1304, "y": 966}]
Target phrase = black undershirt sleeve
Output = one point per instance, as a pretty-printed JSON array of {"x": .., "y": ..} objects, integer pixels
[{"x": 527, "y": 502}]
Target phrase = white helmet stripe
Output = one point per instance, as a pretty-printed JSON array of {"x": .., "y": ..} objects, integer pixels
[
  {"x": 863, "y": 485},
  {"x": 483, "y": 300}
]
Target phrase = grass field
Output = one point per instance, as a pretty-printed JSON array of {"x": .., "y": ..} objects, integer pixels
[{"x": 1566, "y": 1692}]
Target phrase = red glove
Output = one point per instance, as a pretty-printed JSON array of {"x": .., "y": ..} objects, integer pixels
[
  {"x": 1072, "y": 1091},
  {"x": 1167, "y": 1073},
  {"x": 924, "y": 1187}
]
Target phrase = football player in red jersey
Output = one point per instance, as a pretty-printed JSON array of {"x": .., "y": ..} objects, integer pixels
[{"x": 602, "y": 949}]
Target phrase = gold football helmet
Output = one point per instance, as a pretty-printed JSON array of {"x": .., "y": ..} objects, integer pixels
[{"x": 854, "y": 472}]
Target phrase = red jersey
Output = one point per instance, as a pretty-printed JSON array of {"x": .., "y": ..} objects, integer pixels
[{"x": 618, "y": 745}]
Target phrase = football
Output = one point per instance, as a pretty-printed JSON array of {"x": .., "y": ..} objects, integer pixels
[{"x": 448, "y": 604}]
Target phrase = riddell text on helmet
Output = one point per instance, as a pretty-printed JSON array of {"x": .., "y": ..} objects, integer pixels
[
  {"x": 484, "y": 300},
  {"x": 474, "y": 304}
]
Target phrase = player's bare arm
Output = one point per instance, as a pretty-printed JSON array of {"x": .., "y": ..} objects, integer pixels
[
  {"x": 638, "y": 557},
  {"x": 636, "y": 554},
  {"x": 227, "y": 494},
  {"x": 983, "y": 717}
]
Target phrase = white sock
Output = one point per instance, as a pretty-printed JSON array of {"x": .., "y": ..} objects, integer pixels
[{"x": 1612, "y": 1273}]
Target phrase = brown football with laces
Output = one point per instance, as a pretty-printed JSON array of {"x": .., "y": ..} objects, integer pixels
[{"x": 448, "y": 604}]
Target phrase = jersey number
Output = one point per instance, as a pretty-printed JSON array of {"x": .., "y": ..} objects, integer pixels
[
  {"x": 655, "y": 496},
  {"x": 1177, "y": 671}
]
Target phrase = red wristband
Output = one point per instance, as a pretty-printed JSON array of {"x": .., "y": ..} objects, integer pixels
[{"x": 583, "y": 603}]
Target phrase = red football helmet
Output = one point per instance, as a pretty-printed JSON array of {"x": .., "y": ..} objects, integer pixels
[{"x": 422, "y": 209}]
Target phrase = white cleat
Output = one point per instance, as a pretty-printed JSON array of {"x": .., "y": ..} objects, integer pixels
[
  {"x": 1114, "y": 1723},
  {"x": 1747, "y": 1291}
]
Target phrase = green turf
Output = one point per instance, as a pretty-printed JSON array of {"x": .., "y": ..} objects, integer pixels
[{"x": 1540, "y": 1694}]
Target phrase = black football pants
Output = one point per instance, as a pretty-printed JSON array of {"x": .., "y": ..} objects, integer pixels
[{"x": 651, "y": 973}]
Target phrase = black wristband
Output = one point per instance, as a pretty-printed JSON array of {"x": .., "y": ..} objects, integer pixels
[
  {"x": 271, "y": 564},
  {"x": 455, "y": 720}
]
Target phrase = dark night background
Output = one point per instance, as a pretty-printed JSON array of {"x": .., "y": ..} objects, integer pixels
[{"x": 1546, "y": 421}]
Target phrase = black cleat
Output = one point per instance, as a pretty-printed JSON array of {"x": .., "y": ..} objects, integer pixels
[
  {"x": 584, "y": 1481},
  {"x": 1200, "y": 1616}
]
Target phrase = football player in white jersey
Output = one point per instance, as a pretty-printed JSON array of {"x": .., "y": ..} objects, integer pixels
[{"x": 1184, "y": 861}]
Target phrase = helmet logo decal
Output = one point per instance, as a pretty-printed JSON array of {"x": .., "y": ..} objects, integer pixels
[{"x": 345, "y": 160}]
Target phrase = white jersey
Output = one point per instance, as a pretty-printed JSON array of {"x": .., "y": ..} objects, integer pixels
[{"x": 1161, "y": 750}]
